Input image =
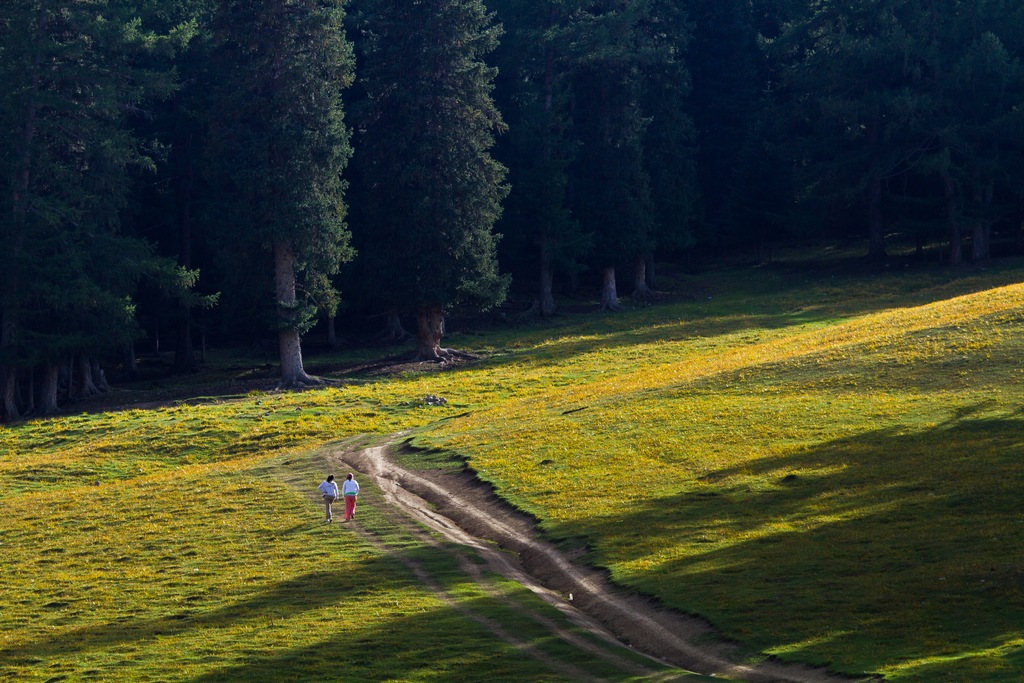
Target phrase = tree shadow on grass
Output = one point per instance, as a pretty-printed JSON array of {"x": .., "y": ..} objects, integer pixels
[
  {"x": 442, "y": 645},
  {"x": 307, "y": 592},
  {"x": 444, "y": 642},
  {"x": 865, "y": 552}
]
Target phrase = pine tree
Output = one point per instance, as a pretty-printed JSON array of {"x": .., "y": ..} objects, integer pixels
[
  {"x": 616, "y": 51},
  {"x": 981, "y": 130},
  {"x": 430, "y": 192},
  {"x": 73, "y": 78},
  {"x": 727, "y": 103},
  {"x": 535, "y": 67},
  {"x": 167, "y": 207},
  {"x": 903, "y": 89},
  {"x": 865, "y": 76},
  {"x": 278, "y": 147},
  {"x": 670, "y": 140}
]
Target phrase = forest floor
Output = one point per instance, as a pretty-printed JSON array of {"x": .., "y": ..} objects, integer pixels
[{"x": 466, "y": 513}]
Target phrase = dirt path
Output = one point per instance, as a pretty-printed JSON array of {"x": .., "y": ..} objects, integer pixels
[{"x": 467, "y": 513}]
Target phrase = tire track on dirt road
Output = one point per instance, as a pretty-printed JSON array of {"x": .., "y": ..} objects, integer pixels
[
  {"x": 466, "y": 512},
  {"x": 396, "y": 511},
  {"x": 427, "y": 579}
]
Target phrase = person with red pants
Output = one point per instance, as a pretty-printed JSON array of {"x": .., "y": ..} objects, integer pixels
[{"x": 349, "y": 490}]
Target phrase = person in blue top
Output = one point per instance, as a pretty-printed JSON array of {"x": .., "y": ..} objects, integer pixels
[
  {"x": 350, "y": 489},
  {"x": 329, "y": 490}
]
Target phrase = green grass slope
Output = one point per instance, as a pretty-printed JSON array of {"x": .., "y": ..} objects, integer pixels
[
  {"x": 826, "y": 466},
  {"x": 828, "y": 470},
  {"x": 226, "y": 572}
]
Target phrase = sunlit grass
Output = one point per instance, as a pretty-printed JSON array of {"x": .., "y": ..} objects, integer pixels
[
  {"x": 850, "y": 487},
  {"x": 225, "y": 571},
  {"x": 828, "y": 468}
]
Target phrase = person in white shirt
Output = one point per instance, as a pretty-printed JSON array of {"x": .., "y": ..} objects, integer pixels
[
  {"x": 329, "y": 490},
  {"x": 350, "y": 489}
]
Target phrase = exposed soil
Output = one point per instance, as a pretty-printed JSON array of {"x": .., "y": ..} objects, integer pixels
[{"x": 466, "y": 511}]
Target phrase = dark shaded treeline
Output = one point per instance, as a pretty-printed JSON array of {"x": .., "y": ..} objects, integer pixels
[{"x": 232, "y": 168}]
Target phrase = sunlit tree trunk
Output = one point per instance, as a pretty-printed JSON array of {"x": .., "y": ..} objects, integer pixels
[
  {"x": 83, "y": 369},
  {"x": 641, "y": 292},
  {"x": 48, "y": 389},
  {"x": 289, "y": 342},
  {"x": 429, "y": 330},
  {"x": 956, "y": 253},
  {"x": 547, "y": 296},
  {"x": 609, "y": 295}
]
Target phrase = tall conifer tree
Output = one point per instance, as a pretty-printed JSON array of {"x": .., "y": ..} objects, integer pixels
[
  {"x": 430, "y": 192},
  {"x": 279, "y": 146},
  {"x": 535, "y": 62},
  {"x": 73, "y": 77},
  {"x": 670, "y": 139},
  {"x": 906, "y": 89},
  {"x": 863, "y": 76},
  {"x": 981, "y": 122},
  {"x": 615, "y": 50}
]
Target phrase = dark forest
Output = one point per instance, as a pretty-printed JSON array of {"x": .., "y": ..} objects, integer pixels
[{"x": 190, "y": 170}]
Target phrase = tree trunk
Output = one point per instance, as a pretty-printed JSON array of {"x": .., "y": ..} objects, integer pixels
[
  {"x": 83, "y": 368},
  {"x": 873, "y": 198},
  {"x": 981, "y": 241},
  {"x": 8, "y": 373},
  {"x": 609, "y": 297},
  {"x": 641, "y": 292},
  {"x": 48, "y": 389},
  {"x": 876, "y": 235},
  {"x": 9, "y": 388},
  {"x": 184, "y": 353},
  {"x": 66, "y": 376},
  {"x": 29, "y": 399},
  {"x": 981, "y": 235},
  {"x": 547, "y": 295},
  {"x": 11, "y": 280},
  {"x": 429, "y": 330},
  {"x": 956, "y": 250},
  {"x": 332, "y": 333},
  {"x": 289, "y": 342},
  {"x": 99, "y": 378},
  {"x": 130, "y": 366},
  {"x": 652, "y": 273},
  {"x": 393, "y": 331}
]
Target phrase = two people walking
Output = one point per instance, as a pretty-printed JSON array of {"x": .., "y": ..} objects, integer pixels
[{"x": 349, "y": 491}]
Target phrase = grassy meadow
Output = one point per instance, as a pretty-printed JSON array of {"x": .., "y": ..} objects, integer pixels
[{"x": 825, "y": 464}]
